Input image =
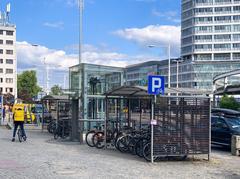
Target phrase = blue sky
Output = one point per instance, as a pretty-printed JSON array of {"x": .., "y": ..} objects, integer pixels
[{"x": 116, "y": 32}]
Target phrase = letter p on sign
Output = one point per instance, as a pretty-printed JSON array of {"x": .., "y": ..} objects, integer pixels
[{"x": 155, "y": 85}]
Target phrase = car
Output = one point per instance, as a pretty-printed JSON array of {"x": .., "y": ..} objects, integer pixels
[
  {"x": 225, "y": 112},
  {"x": 222, "y": 129}
]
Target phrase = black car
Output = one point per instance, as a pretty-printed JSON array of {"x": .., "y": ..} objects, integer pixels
[
  {"x": 222, "y": 129},
  {"x": 225, "y": 112}
]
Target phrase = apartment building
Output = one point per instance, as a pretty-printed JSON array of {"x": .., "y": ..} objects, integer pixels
[{"x": 8, "y": 61}]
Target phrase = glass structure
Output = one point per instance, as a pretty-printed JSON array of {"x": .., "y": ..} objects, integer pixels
[{"x": 90, "y": 82}]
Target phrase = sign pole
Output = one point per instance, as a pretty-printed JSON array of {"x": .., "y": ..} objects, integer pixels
[
  {"x": 152, "y": 123},
  {"x": 155, "y": 87}
]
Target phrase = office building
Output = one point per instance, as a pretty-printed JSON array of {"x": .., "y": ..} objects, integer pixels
[{"x": 210, "y": 39}]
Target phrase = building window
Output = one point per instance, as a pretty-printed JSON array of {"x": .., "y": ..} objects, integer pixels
[
  {"x": 1, "y": 32},
  {"x": 9, "y": 90},
  {"x": 236, "y": 37},
  {"x": 222, "y": 28},
  {"x": 222, "y": 37},
  {"x": 222, "y": 9},
  {"x": 9, "y": 52},
  {"x": 236, "y": 8},
  {"x": 1, "y": 41},
  {"x": 222, "y": 46},
  {"x": 1, "y": 90},
  {"x": 9, "y": 42},
  {"x": 207, "y": 47},
  {"x": 236, "y": 45},
  {"x": 1, "y": 60},
  {"x": 9, "y": 61},
  {"x": 1, "y": 51},
  {"x": 203, "y": 20},
  {"x": 1, "y": 70},
  {"x": 236, "y": 28},
  {"x": 203, "y": 38},
  {"x": 9, "y": 80},
  {"x": 203, "y": 29},
  {"x": 222, "y": 56},
  {"x": 9, "y": 32},
  {"x": 236, "y": 56},
  {"x": 222, "y": 19},
  {"x": 9, "y": 71},
  {"x": 1, "y": 80},
  {"x": 203, "y": 57}
]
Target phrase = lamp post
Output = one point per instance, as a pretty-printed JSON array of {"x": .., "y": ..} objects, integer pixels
[
  {"x": 169, "y": 61},
  {"x": 177, "y": 61}
]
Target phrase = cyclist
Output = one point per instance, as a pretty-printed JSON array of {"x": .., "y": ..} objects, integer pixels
[{"x": 18, "y": 118}]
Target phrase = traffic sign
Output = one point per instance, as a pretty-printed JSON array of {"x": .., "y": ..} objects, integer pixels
[{"x": 156, "y": 85}]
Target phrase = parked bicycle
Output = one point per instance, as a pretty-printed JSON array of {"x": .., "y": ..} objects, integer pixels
[{"x": 62, "y": 130}]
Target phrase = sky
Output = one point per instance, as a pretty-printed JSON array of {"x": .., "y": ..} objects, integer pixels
[{"x": 115, "y": 33}]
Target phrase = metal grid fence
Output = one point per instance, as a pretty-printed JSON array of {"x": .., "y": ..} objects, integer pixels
[{"x": 183, "y": 126}]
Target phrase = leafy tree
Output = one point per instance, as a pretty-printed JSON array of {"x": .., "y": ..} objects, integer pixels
[
  {"x": 27, "y": 85},
  {"x": 56, "y": 90},
  {"x": 229, "y": 103}
]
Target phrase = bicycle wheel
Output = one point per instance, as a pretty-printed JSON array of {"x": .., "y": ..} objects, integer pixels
[
  {"x": 55, "y": 134},
  {"x": 122, "y": 143},
  {"x": 20, "y": 136},
  {"x": 131, "y": 145},
  {"x": 89, "y": 138},
  {"x": 139, "y": 146},
  {"x": 98, "y": 140},
  {"x": 147, "y": 152}
]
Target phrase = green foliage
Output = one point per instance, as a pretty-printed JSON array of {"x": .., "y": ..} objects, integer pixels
[
  {"x": 27, "y": 85},
  {"x": 56, "y": 90},
  {"x": 229, "y": 103}
]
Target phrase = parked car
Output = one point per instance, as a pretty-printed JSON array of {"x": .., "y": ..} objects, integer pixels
[
  {"x": 225, "y": 112},
  {"x": 222, "y": 129}
]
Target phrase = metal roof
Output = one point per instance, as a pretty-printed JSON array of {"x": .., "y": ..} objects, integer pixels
[
  {"x": 55, "y": 97},
  {"x": 142, "y": 91}
]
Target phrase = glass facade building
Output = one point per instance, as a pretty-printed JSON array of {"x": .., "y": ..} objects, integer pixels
[
  {"x": 210, "y": 38},
  {"x": 90, "y": 82}
]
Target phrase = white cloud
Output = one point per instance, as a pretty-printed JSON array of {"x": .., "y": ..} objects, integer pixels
[
  {"x": 31, "y": 57},
  {"x": 160, "y": 35},
  {"x": 169, "y": 15},
  {"x": 58, "y": 25}
]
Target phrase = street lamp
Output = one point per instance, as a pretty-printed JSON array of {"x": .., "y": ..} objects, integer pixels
[
  {"x": 179, "y": 60},
  {"x": 169, "y": 61}
]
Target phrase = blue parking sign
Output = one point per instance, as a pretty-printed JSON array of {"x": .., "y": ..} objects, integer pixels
[{"x": 156, "y": 85}]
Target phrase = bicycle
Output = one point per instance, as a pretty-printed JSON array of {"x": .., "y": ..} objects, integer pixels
[
  {"x": 21, "y": 137},
  {"x": 62, "y": 130},
  {"x": 90, "y": 134}
]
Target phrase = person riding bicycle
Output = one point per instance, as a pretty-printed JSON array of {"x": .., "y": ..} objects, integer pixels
[{"x": 18, "y": 118}]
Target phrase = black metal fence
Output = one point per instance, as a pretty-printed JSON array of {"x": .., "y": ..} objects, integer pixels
[{"x": 183, "y": 126}]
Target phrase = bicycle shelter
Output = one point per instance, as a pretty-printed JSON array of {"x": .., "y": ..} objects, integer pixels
[
  {"x": 56, "y": 108},
  {"x": 182, "y": 122}
]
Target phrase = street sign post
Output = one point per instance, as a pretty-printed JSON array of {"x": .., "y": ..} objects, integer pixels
[
  {"x": 155, "y": 86},
  {"x": 1, "y": 109}
]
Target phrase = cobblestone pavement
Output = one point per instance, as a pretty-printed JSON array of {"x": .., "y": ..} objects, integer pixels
[{"x": 41, "y": 157}]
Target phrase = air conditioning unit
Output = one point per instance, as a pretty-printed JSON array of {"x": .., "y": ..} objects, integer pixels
[{"x": 235, "y": 147}]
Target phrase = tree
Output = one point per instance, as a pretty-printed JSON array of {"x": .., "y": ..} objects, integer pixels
[
  {"x": 27, "y": 85},
  {"x": 56, "y": 90},
  {"x": 229, "y": 103}
]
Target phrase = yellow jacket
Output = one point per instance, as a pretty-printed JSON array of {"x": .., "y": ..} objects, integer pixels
[{"x": 18, "y": 113}]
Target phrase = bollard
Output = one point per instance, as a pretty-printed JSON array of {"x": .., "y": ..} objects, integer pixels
[{"x": 235, "y": 145}]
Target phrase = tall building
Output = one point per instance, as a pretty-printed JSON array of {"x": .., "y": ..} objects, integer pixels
[
  {"x": 8, "y": 61},
  {"x": 210, "y": 38}
]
